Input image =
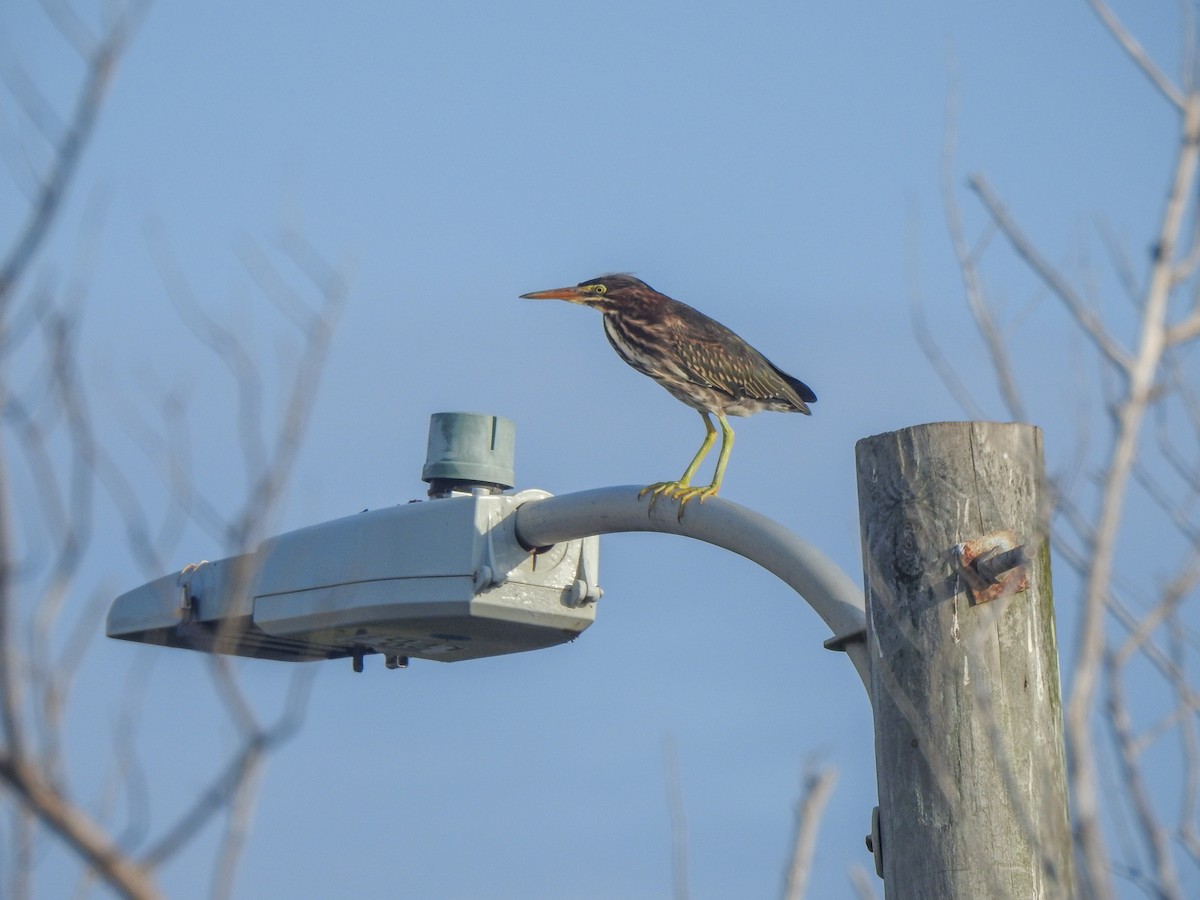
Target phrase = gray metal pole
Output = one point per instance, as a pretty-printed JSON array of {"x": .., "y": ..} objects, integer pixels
[
  {"x": 829, "y": 590},
  {"x": 965, "y": 682}
]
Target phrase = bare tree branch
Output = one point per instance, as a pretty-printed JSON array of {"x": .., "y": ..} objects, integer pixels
[
  {"x": 1189, "y": 739},
  {"x": 1144, "y": 372},
  {"x": 679, "y": 835},
  {"x": 302, "y": 393},
  {"x": 1164, "y": 875},
  {"x": 79, "y": 832},
  {"x": 818, "y": 788},
  {"x": 102, "y": 65},
  {"x": 1187, "y": 330},
  {"x": 930, "y": 347},
  {"x": 863, "y": 883},
  {"x": 222, "y": 340},
  {"x": 44, "y": 622},
  {"x": 237, "y": 828},
  {"x": 985, "y": 322},
  {"x": 237, "y": 773},
  {"x": 1121, "y": 263},
  {"x": 1087, "y": 320},
  {"x": 1137, "y": 53}
]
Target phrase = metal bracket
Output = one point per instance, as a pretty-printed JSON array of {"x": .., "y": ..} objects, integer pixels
[
  {"x": 839, "y": 641},
  {"x": 187, "y": 603},
  {"x": 875, "y": 842},
  {"x": 992, "y": 565},
  {"x": 586, "y": 588},
  {"x": 486, "y": 575}
]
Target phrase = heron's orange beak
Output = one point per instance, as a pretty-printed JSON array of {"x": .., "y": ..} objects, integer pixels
[{"x": 570, "y": 294}]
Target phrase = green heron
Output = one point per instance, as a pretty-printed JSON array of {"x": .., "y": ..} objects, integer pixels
[{"x": 698, "y": 360}]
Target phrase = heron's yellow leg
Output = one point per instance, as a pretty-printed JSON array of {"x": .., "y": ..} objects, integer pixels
[
  {"x": 682, "y": 489},
  {"x": 669, "y": 488},
  {"x": 723, "y": 456},
  {"x": 684, "y": 494}
]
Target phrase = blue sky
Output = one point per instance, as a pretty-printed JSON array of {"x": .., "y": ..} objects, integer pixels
[{"x": 774, "y": 164}]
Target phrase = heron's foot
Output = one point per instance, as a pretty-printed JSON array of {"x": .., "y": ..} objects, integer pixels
[{"x": 678, "y": 490}]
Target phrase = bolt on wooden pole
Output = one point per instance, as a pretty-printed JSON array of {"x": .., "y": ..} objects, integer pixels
[{"x": 964, "y": 663}]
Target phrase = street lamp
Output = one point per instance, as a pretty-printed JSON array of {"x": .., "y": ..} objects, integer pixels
[{"x": 447, "y": 579}]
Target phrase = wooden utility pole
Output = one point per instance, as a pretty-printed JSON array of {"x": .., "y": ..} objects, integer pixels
[{"x": 964, "y": 663}]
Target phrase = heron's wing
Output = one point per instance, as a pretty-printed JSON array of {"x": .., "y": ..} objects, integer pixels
[{"x": 715, "y": 357}]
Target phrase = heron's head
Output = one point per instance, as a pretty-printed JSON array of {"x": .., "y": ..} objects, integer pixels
[{"x": 606, "y": 293}]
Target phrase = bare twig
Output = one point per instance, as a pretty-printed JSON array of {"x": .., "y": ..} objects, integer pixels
[
  {"x": 102, "y": 64},
  {"x": 928, "y": 343},
  {"x": 981, "y": 312},
  {"x": 76, "y": 829},
  {"x": 1137, "y": 53},
  {"x": 818, "y": 788},
  {"x": 1084, "y": 317},
  {"x": 237, "y": 827},
  {"x": 222, "y": 340},
  {"x": 238, "y": 770},
  {"x": 1186, "y": 330},
  {"x": 301, "y": 395},
  {"x": 1166, "y": 880},
  {"x": 1189, "y": 741},
  {"x": 862, "y": 882},
  {"x": 678, "y": 816},
  {"x": 1121, "y": 263}
]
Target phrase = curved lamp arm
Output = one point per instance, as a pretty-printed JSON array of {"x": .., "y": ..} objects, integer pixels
[{"x": 808, "y": 571}]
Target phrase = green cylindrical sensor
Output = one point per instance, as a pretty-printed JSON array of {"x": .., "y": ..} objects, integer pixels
[{"x": 467, "y": 451}]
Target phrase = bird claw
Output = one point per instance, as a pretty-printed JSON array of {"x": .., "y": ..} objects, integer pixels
[{"x": 677, "y": 490}]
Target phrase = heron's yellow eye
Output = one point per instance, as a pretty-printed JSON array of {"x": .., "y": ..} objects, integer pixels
[{"x": 597, "y": 289}]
